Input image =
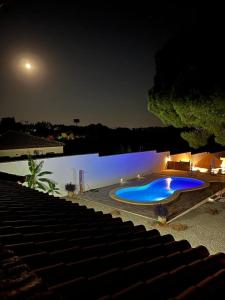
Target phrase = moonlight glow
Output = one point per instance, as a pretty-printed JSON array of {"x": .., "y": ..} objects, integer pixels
[{"x": 28, "y": 66}]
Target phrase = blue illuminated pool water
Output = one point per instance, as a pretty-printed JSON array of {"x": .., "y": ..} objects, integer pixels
[{"x": 158, "y": 189}]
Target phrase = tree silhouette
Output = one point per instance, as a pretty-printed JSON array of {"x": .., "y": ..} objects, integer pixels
[
  {"x": 189, "y": 90},
  {"x": 76, "y": 121}
]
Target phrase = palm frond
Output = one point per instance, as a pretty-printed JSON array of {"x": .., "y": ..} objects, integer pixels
[
  {"x": 39, "y": 167},
  {"x": 41, "y": 186},
  {"x": 31, "y": 163},
  {"x": 45, "y": 180},
  {"x": 45, "y": 173}
]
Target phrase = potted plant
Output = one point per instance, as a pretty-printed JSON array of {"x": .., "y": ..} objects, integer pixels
[
  {"x": 70, "y": 188},
  {"x": 161, "y": 213}
]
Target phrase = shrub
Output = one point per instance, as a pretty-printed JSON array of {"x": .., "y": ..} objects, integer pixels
[{"x": 70, "y": 187}]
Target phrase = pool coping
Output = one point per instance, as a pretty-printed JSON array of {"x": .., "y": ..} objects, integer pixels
[{"x": 168, "y": 200}]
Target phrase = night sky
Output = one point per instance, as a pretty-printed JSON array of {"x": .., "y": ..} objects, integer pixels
[{"x": 92, "y": 63}]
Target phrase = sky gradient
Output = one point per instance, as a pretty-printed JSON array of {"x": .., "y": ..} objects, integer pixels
[{"x": 95, "y": 64}]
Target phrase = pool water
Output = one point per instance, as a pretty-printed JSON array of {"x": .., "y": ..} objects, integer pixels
[{"x": 158, "y": 189}]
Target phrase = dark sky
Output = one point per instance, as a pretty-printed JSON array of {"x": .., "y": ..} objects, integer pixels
[{"x": 93, "y": 63}]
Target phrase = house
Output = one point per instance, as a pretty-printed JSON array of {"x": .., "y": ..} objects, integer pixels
[{"x": 15, "y": 144}]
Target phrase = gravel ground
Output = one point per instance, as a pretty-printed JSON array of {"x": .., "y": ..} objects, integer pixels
[{"x": 205, "y": 224}]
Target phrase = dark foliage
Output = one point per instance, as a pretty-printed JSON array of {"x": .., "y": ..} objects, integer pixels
[{"x": 189, "y": 90}]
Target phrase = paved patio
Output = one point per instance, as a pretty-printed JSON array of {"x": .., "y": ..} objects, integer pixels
[
  {"x": 205, "y": 224},
  {"x": 176, "y": 207}
]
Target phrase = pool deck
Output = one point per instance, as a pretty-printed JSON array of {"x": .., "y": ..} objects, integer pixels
[
  {"x": 203, "y": 226},
  {"x": 102, "y": 196}
]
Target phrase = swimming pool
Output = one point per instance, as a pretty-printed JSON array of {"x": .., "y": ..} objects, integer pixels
[{"x": 157, "y": 190}]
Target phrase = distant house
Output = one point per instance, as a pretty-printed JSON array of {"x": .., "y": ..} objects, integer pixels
[
  {"x": 14, "y": 144},
  {"x": 70, "y": 136},
  {"x": 67, "y": 136}
]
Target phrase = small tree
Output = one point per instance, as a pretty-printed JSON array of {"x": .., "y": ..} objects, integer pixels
[{"x": 36, "y": 179}]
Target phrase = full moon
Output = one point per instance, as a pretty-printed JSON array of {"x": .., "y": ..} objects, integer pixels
[{"x": 28, "y": 66}]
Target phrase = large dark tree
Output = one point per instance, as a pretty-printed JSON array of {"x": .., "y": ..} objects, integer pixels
[{"x": 189, "y": 85}]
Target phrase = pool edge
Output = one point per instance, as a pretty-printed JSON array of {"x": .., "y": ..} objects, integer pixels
[{"x": 170, "y": 199}]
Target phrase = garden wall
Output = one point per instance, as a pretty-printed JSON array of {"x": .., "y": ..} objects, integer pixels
[{"x": 98, "y": 170}]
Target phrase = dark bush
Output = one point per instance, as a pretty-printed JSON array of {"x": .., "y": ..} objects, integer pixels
[{"x": 70, "y": 187}]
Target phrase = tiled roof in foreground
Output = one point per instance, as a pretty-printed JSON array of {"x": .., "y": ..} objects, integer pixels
[
  {"x": 19, "y": 140},
  {"x": 53, "y": 249}
]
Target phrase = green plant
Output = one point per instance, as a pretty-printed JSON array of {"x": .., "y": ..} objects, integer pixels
[
  {"x": 36, "y": 179},
  {"x": 70, "y": 187},
  {"x": 52, "y": 188}
]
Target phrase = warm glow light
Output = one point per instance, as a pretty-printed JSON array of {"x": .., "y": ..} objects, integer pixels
[
  {"x": 168, "y": 158},
  {"x": 222, "y": 165},
  {"x": 202, "y": 170},
  {"x": 223, "y": 162},
  {"x": 28, "y": 66}
]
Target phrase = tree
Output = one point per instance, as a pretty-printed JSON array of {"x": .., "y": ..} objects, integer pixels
[
  {"x": 7, "y": 123},
  {"x": 202, "y": 118},
  {"x": 189, "y": 90},
  {"x": 43, "y": 128}
]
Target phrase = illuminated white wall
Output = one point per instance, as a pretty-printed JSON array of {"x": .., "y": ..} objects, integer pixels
[
  {"x": 198, "y": 156},
  {"x": 181, "y": 157},
  {"x": 188, "y": 156},
  {"x": 99, "y": 171}
]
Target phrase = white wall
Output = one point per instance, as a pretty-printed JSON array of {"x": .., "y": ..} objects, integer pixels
[{"x": 98, "y": 171}]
